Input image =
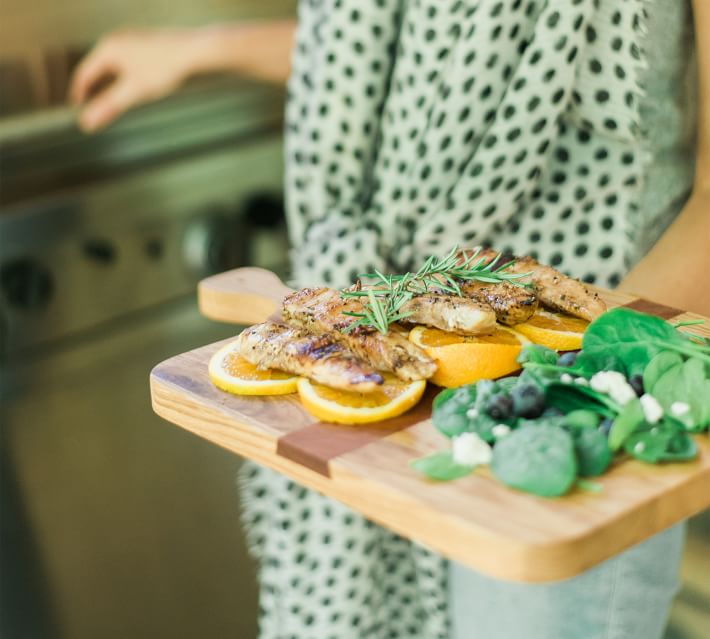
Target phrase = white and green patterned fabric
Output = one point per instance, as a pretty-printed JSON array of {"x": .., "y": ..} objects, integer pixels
[{"x": 416, "y": 125}]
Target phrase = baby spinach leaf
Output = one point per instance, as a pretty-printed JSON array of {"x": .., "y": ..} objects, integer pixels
[
  {"x": 450, "y": 408},
  {"x": 483, "y": 426},
  {"x": 506, "y": 384},
  {"x": 538, "y": 376},
  {"x": 445, "y": 395},
  {"x": 648, "y": 446},
  {"x": 571, "y": 397},
  {"x": 441, "y": 466},
  {"x": 484, "y": 389},
  {"x": 682, "y": 448},
  {"x": 593, "y": 453},
  {"x": 661, "y": 444},
  {"x": 537, "y": 354},
  {"x": 625, "y": 340},
  {"x": 658, "y": 366},
  {"x": 461, "y": 410},
  {"x": 580, "y": 419},
  {"x": 549, "y": 420},
  {"x": 686, "y": 383},
  {"x": 539, "y": 365},
  {"x": 630, "y": 418},
  {"x": 536, "y": 459},
  {"x": 589, "y": 486}
]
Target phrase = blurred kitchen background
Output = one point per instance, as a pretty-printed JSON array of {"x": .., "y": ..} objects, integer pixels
[{"x": 115, "y": 524}]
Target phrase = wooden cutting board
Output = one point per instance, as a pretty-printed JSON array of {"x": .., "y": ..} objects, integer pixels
[{"x": 475, "y": 520}]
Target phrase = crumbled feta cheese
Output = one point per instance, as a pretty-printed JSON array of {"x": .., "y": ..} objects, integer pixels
[
  {"x": 652, "y": 410},
  {"x": 604, "y": 380},
  {"x": 622, "y": 394},
  {"x": 472, "y": 413},
  {"x": 468, "y": 449},
  {"x": 639, "y": 447},
  {"x": 614, "y": 384},
  {"x": 500, "y": 430},
  {"x": 581, "y": 381},
  {"x": 566, "y": 378},
  {"x": 679, "y": 408}
]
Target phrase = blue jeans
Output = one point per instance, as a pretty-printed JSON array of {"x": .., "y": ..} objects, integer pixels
[{"x": 626, "y": 597}]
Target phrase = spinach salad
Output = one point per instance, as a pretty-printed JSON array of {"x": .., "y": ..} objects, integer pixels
[{"x": 639, "y": 387}]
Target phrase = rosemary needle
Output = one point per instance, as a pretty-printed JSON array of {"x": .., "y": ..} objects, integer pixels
[{"x": 389, "y": 293}]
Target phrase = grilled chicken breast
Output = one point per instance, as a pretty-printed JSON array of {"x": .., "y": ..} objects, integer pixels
[
  {"x": 511, "y": 304},
  {"x": 321, "y": 311},
  {"x": 556, "y": 290},
  {"x": 318, "y": 357},
  {"x": 451, "y": 313}
]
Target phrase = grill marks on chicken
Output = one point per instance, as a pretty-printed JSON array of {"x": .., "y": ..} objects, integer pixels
[
  {"x": 560, "y": 292},
  {"x": 314, "y": 342},
  {"x": 447, "y": 312},
  {"x": 321, "y": 311},
  {"x": 451, "y": 313},
  {"x": 556, "y": 290},
  {"x": 318, "y": 357},
  {"x": 511, "y": 304}
]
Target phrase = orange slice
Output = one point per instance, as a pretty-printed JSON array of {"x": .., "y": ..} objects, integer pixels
[
  {"x": 230, "y": 372},
  {"x": 554, "y": 330},
  {"x": 393, "y": 398},
  {"x": 463, "y": 359}
]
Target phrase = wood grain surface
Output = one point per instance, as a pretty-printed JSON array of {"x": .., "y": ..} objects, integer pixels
[
  {"x": 475, "y": 520},
  {"x": 242, "y": 296}
]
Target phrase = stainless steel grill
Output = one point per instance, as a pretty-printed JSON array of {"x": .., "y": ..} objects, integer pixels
[
  {"x": 93, "y": 228},
  {"x": 102, "y": 242}
]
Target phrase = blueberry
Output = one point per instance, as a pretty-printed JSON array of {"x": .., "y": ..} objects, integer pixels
[
  {"x": 636, "y": 382},
  {"x": 606, "y": 425},
  {"x": 567, "y": 359},
  {"x": 528, "y": 401},
  {"x": 499, "y": 406}
]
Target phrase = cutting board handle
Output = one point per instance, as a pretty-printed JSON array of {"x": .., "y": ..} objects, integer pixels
[{"x": 242, "y": 296}]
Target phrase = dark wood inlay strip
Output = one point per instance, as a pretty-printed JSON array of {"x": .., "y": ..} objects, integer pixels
[{"x": 654, "y": 308}]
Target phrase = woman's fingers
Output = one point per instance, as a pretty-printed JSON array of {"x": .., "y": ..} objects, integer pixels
[
  {"x": 108, "y": 105},
  {"x": 143, "y": 66},
  {"x": 98, "y": 64}
]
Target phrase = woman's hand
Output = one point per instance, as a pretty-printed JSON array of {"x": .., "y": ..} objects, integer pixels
[
  {"x": 141, "y": 66},
  {"x": 148, "y": 65}
]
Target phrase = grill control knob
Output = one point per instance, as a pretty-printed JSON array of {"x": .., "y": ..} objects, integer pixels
[
  {"x": 99, "y": 251},
  {"x": 206, "y": 244},
  {"x": 26, "y": 284}
]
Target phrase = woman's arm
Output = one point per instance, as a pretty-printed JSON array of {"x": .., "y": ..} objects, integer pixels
[
  {"x": 677, "y": 270},
  {"x": 147, "y": 65},
  {"x": 261, "y": 50}
]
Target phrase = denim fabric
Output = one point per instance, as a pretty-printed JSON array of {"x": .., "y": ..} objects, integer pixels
[{"x": 626, "y": 597}]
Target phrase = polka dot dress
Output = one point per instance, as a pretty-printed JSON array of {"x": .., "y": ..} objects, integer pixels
[
  {"x": 327, "y": 573},
  {"x": 413, "y": 126}
]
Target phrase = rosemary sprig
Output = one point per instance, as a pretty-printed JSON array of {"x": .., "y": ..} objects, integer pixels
[
  {"x": 383, "y": 306},
  {"x": 387, "y": 294},
  {"x": 689, "y": 323},
  {"x": 444, "y": 273}
]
